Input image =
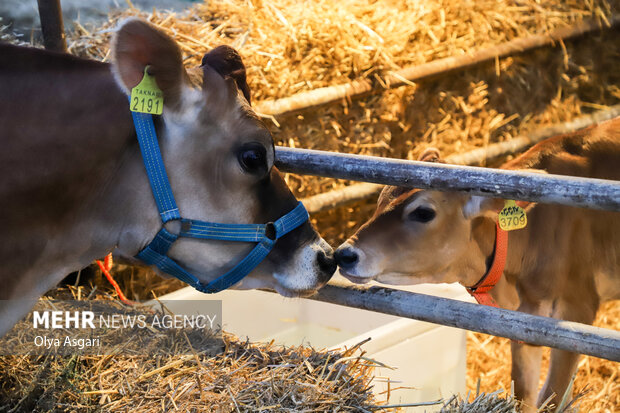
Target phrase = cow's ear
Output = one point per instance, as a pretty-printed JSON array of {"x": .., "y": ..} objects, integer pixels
[
  {"x": 138, "y": 44},
  {"x": 227, "y": 62},
  {"x": 476, "y": 206}
]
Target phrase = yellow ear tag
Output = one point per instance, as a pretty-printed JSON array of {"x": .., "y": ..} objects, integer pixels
[
  {"x": 512, "y": 216},
  {"x": 147, "y": 97}
]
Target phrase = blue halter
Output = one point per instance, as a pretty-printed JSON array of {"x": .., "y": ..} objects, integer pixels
[{"x": 265, "y": 235}]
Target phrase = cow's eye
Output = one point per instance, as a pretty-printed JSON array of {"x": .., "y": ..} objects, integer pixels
[
  {"x": 422, "y": 214},
  {"x": 253, "y": 158}
]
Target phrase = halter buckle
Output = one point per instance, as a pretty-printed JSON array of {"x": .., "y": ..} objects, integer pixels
[{"x": 271, "y": 231}]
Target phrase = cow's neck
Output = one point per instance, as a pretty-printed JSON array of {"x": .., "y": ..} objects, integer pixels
[
  {"x": 79, "y": 170},
  {"x": 479, "y": 257}
]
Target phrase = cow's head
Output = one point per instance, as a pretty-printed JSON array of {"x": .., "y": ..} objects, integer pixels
[
  {"x": 219, "y": 157},
  {"x": 418, "y": 236}
]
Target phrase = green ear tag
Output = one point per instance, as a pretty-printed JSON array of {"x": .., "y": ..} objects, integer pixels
[
  {"x": 512, "y": 216},
  {"x": 147, "y": 97}
]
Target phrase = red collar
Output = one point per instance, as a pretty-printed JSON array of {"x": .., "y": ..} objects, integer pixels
[{"x": 480, "y": 290}]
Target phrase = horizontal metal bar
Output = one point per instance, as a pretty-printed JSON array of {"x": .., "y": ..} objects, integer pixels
[
  {"x": 543, "y": 331},
  {"x": 498, "y": 183}
]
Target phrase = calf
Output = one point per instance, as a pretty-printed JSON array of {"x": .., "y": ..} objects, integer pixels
[
  {"x": 563, "y": 264},
  {"x": 73, "y": 185}
]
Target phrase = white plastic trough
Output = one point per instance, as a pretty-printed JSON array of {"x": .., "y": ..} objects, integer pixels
[{"x": 429, "y": 359}]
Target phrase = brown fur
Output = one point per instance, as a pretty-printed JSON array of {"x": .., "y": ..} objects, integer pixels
[
  {"x": 564, "y": 264},
  {"x": 73, "y": 185}
]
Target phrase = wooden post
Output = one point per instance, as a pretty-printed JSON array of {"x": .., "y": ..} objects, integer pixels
[
  {"x": 542, "y": 331},
  {"x": 498, "y": 183},
  {"x": 52, "y": 26}
]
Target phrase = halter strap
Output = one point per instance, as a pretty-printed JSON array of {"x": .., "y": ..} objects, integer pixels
[
  {"x": 155, "y": 169},
  {"x": 156, "y": 252}
]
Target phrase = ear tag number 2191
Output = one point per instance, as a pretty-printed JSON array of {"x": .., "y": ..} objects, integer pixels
[
  {"x": 512, "y": 216},
  {"x": 147, "y": 97}
]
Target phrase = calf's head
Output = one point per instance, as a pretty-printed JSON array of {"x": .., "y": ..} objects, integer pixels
[
  {"x": 418, "y": 236},
  {"x": 219, "y": 157}
]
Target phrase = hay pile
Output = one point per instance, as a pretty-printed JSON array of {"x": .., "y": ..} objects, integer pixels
[
  {"x": 222, "y": 375},
  {"x": 214, "y": 373},
  {"x": 244, "y": 377},
  {"x": 291, "y": 46}
]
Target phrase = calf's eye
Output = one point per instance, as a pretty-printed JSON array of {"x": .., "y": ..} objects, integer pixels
[{"x": 422, "y": 214}]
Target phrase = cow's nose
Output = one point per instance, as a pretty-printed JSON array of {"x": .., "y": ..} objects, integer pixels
[
  {"x": 346, "y": 257},
  {"x": 326, "y": 263}
]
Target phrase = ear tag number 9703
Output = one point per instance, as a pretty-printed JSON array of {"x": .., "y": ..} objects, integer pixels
[
  {"x": 512, "y": 216},
  {"x": 147, "y": 97}
]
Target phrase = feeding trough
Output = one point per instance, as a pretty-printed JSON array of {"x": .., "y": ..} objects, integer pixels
[{"x": 424, "y": 361}]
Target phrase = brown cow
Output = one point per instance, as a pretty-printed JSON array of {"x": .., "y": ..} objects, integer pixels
[
  {"x": 73, "y": 185},
  {"x": 564, "y": 264}
]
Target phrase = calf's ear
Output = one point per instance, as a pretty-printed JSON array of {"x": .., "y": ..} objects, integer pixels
[
  {"x": 476, "y": 206},
  {"x": 430, "y": 155},
  {"x": 138, "y": 44}
]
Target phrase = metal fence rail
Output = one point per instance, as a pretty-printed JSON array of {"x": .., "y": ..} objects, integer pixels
[
  {"x": 544, "y": 331},
  {"x": 517, "y": 185}
]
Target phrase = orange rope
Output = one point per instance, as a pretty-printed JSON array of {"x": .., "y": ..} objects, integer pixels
[{"x": 105, "y": 267}]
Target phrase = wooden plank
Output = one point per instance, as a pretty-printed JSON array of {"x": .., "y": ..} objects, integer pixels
[{"x": 543, "y": 331}]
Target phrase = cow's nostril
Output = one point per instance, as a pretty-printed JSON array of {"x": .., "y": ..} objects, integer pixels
[
  {"x": 346, "y": 257},
  {"x": 326, "y": 262}
]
